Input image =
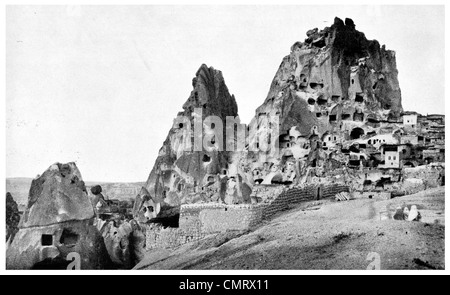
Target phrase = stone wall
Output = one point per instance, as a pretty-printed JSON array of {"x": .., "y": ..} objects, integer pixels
[
  {"x": 302, "y": 194},
  {"x": 158, "y": 237},
  {"x": 198, "y": 220},
  {"x": 213, "y": 218},
  {"x": 429, "y": 174}
]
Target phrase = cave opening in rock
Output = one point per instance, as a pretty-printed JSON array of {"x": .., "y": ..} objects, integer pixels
[
  {"x": 409, "y": 164},
  {"x": 322, "y": 101},
  {"x": 345, "y": 116},
  {"x": 345, "y": 151},
  {"x": 311, "y": 101},
  {"x": 283, "y": 140},
  {"x": 356, "y": 133},
  {"x": 354, "y": 148},
  {"x": 333, "y": 118},
  {"x": 168, "y": 220},
  {"x": 315, "y": 85},
  {"x": 373, "y": 121},
  {"x": 46, "y": 240},
  {"x": 69, "y": 238},
  {"x": 354, "y": 163},
  {"x": 359, "y": 97},
  {"x": 206, "y": 158},
  {"x": 335, "y": 98}
]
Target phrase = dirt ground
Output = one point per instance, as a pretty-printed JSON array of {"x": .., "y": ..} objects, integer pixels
[{"x": 324, "y": 235}]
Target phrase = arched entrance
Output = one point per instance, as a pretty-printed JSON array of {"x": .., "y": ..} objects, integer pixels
[{"x": 356, "y": 133}]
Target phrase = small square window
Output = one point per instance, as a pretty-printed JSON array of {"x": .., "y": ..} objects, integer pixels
[{"x": 47, "y": 240}]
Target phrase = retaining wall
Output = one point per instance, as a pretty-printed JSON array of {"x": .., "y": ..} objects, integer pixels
[
  {"x": 214, "y": 218},
  {"x": 298, "y": 195},
  {"x": 198, "y": 220}
]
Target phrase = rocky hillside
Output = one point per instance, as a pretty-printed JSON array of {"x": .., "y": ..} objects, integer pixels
[
  {"x": 336, "y": 83},
  {"x": 182, "y": 168},
  {"x": 322, "y": 235}
]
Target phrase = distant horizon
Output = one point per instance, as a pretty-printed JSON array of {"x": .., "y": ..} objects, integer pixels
[
  {"x": 86, "y": 181},
  {"x": 109, "y": 86}
]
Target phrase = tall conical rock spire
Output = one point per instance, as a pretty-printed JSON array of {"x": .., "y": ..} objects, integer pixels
[{"x": 177, "y": 172}]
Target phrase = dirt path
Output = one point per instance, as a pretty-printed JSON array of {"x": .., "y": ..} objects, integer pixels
[{"x": 338, "y": 235}]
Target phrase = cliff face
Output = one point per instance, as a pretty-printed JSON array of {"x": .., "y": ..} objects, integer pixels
[
  {"x": 179, "y": 169},
  {"x": 334, "y": 81},
  {"x": 333, "y": 88},
  {"x": 336, "y": 65}
]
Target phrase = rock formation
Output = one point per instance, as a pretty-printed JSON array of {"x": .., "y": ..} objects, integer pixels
[
  {"x": 333, "y": 88},
  {"x": 117, "y": 242},
  {"x": 336, "y": 86},
  {"x": 145, "y": 208},
  {"x": 181, "y": 172},
  {"x": 58, "y": 221},
  {"x": 12, "y": 217}
]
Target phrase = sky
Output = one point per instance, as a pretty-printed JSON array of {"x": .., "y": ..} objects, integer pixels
[{"x": 101, "y": 85}]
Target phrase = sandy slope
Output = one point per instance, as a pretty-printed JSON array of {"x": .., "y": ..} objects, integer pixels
[{"x": 328, "y": 235}]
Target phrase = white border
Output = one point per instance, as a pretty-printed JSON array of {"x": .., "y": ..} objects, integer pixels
[{"x": 204, "y": 272}]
